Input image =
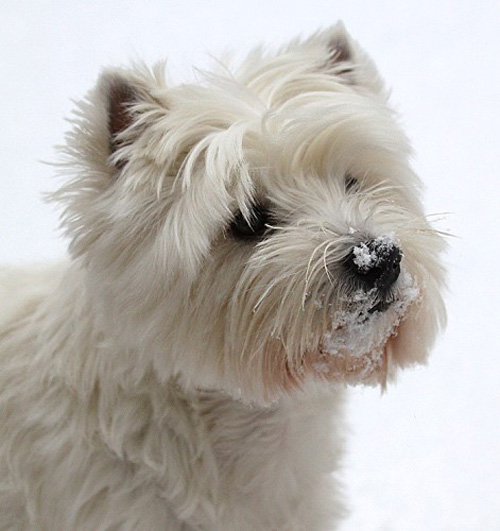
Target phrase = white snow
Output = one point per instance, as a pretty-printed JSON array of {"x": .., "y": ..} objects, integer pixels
[
  {"x": 366, "y": 257},
  {"x": 363, "y": 257}
]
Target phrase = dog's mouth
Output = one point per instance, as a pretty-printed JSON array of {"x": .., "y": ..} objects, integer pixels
[
  {"x": 381, "y": 306},
  {"x": 354, "y": 348}
]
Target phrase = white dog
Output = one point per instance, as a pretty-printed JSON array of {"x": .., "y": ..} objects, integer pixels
[{"x": 241, "y": 249}]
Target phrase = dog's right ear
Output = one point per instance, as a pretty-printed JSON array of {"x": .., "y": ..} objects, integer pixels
[
  {"x": 120, "y": 98},
  {"x": 126, "y": 98}
]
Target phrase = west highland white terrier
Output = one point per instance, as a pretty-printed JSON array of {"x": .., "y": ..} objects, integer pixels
[{"x": 241, "y": 249}]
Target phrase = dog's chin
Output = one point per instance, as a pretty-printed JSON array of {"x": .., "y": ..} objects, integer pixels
[
  {"x": 342, "y": 364},
  {"x": 356, "y": 347}
]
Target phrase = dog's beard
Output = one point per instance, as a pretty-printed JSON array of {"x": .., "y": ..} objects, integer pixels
[{"x": 356, "y": 346}]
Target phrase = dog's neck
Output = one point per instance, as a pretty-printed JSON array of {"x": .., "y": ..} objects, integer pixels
[{"x": 245, "y": 459}]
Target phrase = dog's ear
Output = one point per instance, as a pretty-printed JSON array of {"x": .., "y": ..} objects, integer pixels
[
  {"x": 347, "y": 60},
  {"x": 339, "y": 49},
  {"x": 120, "y": 97},
  {"x": 331, "y": 51},
  {"x": 126, "y": 98}
]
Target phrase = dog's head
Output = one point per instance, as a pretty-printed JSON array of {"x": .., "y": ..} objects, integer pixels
[{"x": 259, "y": 229}]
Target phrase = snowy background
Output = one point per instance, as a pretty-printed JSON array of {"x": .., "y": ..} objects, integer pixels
[{"x": 426, "y": 455}]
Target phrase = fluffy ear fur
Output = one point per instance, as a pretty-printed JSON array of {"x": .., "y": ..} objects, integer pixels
[
  {"x": 345, "y": 59},
  {"x": 109, "y": 125},
  {"x": 120, "y": 96},
  {"x": 126, "y": 97},
  {"x": 339, "y": 45},
  {"x": 340, "y": 52}
]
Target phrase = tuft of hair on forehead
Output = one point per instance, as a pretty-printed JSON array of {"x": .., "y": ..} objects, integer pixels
[{"x": 217, "y": 111}]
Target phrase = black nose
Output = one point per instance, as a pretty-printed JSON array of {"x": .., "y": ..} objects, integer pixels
[{"x": 375, "y": 263}]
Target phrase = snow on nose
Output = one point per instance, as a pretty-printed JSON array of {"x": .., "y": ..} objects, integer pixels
[{"x": 376, "y": 263}]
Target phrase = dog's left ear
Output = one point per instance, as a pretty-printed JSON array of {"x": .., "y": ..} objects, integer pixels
[
  {"x": 340, "y": 51},
  {"x": 345, "y": 59}
]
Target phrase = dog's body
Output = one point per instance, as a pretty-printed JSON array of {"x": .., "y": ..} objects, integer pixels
[
  {"x": 241, "y": 249},
  {"x": 143, "y": 455}
]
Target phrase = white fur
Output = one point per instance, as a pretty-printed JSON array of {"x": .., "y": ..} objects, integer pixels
[{"x": 172, "y": 377}]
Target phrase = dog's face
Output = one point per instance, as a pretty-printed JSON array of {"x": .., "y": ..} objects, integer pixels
[{"x": 257, "y": 230}]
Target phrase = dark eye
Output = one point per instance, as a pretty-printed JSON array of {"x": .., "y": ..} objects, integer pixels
[
  {"x": 255, "y": 227},
  {"x": 351, "y": 184}
]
